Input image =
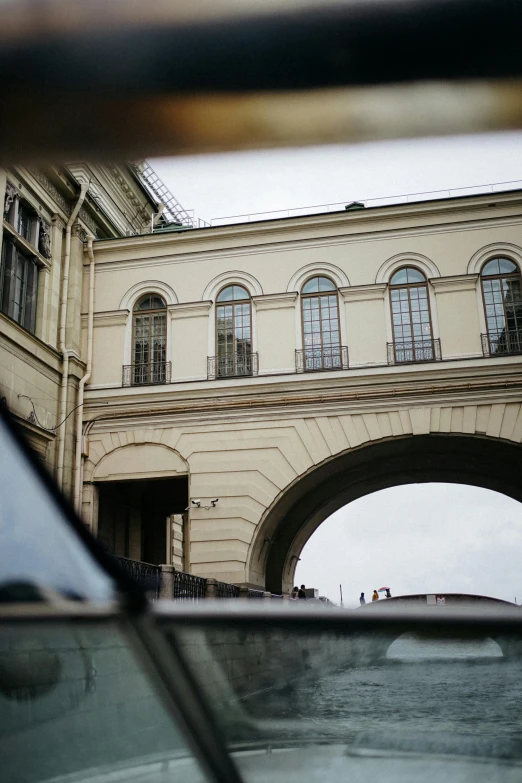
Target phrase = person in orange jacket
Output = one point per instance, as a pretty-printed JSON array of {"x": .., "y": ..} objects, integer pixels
[{"x": 375, "y": 596}]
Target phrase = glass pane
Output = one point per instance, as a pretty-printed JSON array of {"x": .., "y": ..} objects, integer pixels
[
  {"x": 150, "y": 302},
  {"x": 25, "y": 222},
  {"x": 399, "y": 278},
  {"x": 407, "y": 275},
  {"x": 491, "y": 268},
  {"x": 340, "y": 705},
  {"x": 312, "y": 286},
  {"x": 233, "y": 293},
  {"x": 506, "y": 266},
  {"x": 76, "y": 701},
  {"x": 233, "y": 331},
  {"x": 325, "y": 284},
  {"x": 415, "y": 276}
]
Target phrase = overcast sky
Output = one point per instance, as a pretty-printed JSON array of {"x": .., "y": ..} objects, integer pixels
[
  {"x": 419, "y": 538},
  {"x": 415, "y": 539},
  {"x": 247, "y": 182}
]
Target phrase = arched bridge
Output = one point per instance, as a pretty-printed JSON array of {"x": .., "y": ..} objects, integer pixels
[{"x": 436, "y": 603}]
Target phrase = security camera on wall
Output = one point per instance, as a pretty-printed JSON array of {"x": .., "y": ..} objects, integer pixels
[{"x": 196, "y": 503}]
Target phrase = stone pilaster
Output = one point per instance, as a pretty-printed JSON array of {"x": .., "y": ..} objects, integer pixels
[
  {"x": 276, "y": 314},
  {"x": 176, "y": 548},
  {"x": 458, "y": 299},
  {"x": 365, "y": 314},
  {"x": 189, "y": 340}
]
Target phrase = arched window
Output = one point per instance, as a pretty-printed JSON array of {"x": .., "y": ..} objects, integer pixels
[
  {"x": 234, "y": 332},
  {"x": 149, "y": 340},
  {"x": 411, "y": 318},
  {"x": 501, "y": 290},
  {"x": 321, "y": 330}
]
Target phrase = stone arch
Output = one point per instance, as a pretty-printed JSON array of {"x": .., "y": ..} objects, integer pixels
[
  {"x": 148, "y": 286},
  {"x": 312, "y": 270},
  {"x": 406, "y": 259},
  {"x": 298, "y": 510},
  {"x": 479, "y": 258},
  {"x": 142, "y": 459},
  {"x": 250, "y": 282}
]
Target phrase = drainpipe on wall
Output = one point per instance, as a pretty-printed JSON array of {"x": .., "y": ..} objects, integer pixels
[
  {"x": 61, "y": 333},
  {"x": 81, "y": 388}
]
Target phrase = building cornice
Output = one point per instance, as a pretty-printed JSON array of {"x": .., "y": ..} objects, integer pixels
[
  {"x": 107, "y": 318},
  {"x": 310, "y": 243},
  {"x": 312, "y": 223},
  {"x": 190, "y": 309},
  {"x": 454, "y": 283},
  {"x": 275, "y": 301},
  {"x": 363, "y": 293},
  {"x": 391, "y": 389}
]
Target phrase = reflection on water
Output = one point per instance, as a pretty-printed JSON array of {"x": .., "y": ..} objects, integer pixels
[
  {"x": 435, "y": 689},
  {"x": 410, "y": 648}
]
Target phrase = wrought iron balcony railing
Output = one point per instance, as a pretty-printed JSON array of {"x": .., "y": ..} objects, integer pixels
[
  {"x": 321, "y": 358},
  {"x": 412, "y": 351},
  {"x": 146, "y": 374},
  {"x": 234, "y": 366},
  {"x": 502, "y": 342}
]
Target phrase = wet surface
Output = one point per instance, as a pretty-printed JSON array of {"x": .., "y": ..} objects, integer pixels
[{"x": 422, "y": 694}]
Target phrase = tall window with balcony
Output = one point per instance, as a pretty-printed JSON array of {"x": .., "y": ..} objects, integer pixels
[
  {"x": 149, "y": 343},
  {"x": 502, "y": 294},
  {"x": 322, "y": 349},
  {"x": 411, "y": 319},
  {"x": 234, "y": 356}
]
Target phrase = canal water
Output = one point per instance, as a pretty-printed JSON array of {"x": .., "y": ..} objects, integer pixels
[{"x": 446, "y": 693}]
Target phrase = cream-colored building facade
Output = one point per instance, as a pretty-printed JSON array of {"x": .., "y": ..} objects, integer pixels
[
  {"x": 263, "y": 374},
  {"x": 48, "y": 214}
]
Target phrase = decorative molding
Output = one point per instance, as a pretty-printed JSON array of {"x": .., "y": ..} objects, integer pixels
[
  {"x": 148, "y": 287},
  {"x": 58, "y": 222},
  {"x": 364, "y": 293},
  {"x": 10, "y": 194},
  {"x": 338, "y": 276},
  {"x": 84, "y": 216},
  {"x": 275, "y": 301},
  {"x": 190, "y": 309},
  {"x": 454, "y": 283},
  {"x": 233, "y": 277},
  {"x": 406, "y": 259},
  {"x": 108, "y": 318},
  {"x": 60, "y": 200},
  {"x": 493, "y": 250},
  {"x": 51, "y": 189},
  {"x": 44, "y": 239},
  {"x": 156, "y": 243},
  {"x": 142, "y": 216},
  {"x": 24, "y": 245},
  {"x": 79, "y": 232}
]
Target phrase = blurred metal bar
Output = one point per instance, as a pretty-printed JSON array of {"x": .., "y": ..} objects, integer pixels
[
  {"x": 110, "y": 47},
  {"x": 118, "y": 78}
]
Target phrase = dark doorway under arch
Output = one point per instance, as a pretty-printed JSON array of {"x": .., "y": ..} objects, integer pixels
[{"x": 288, "y": 524}]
